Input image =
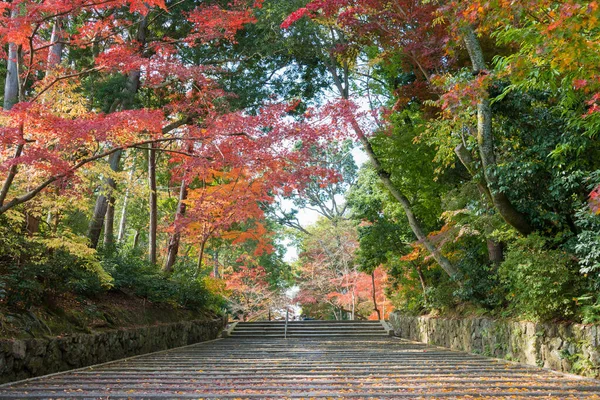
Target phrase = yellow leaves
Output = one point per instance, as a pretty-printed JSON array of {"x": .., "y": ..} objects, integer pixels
[
  {"x": 78, "y": 246},
  {"x": 64, "y": 98}
]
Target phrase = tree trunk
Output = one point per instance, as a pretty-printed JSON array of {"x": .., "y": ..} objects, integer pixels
[
  {"x": 109, "y": 221},
  {"x": 216, "y": 273},
  {"x": 153, "y": 204},
  {"x": 11, "y": 85},
  {"x": 201, "y": 255},
  {"x": 136, "y": 239},
  {"x": 375, "y": 296},
  {"x": 32, "y": 224},
  {"x": 97, "y": 221},
  {"x": 56, "y": 50},
  {"x": 422, "y": 280},
  {"x": 173, "y": 247},
  {"x": 485, "y": 141},
  {"x": 123, "y": 222},
  {"x": 12, "y": 172},
  {"x": 495, "y": 251}
]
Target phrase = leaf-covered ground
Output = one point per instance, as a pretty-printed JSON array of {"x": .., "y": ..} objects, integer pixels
[{"x": 373, "y": 368}]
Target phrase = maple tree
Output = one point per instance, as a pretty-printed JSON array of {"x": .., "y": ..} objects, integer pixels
[{"x": 191, "y": 121}]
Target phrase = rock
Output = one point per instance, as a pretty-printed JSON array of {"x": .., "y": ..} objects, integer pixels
[{"x": 19, "y": 349}]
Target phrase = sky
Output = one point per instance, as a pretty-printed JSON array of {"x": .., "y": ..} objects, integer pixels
[{"x": 307, "y": 217}]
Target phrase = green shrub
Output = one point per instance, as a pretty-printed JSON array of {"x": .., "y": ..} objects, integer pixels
[
  {"x": 541, "y": 283},
  {"x": 130, "y": 271},
  {"x": 479, "y": 282}
]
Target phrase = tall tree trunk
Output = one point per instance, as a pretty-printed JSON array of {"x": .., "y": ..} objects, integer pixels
[
  {"x": 56, "y": 50},
  {"x": 136, "y": 239},
  {"x": 201, "y": 255},
  {"x": 485, "y": 141},
  {"x": 375, "y": 296},
  {"x": 97, "y": 220},
  {"x": 422, "y": 280},
  {"x": 173, "y": 247},
  {"x": 216, "y": 273},
  {"x": 153, "y": 203},
  {"x": 123, "y": 221},
  {"x": 11, "y": 85},
  {"x": 109, "y": 221},
  {"x": 495, "y": 251}
]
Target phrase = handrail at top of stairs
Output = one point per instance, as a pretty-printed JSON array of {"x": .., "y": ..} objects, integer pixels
[{"x": 287, "y": 314}]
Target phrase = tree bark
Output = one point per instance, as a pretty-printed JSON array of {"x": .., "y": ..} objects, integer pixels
[
  {"x": 495, "y": 251},
  {"x": 11, "y": 85},
  {"x": 201, "y": 255},
  {"x": 422, "y": 280},
  {"x": 485, "y": 141},
  {"x": 136, "y": 239},
  {"x": 153, "y": 204},
  {"x": 375, "y": 296},
  {"x": 173, "y": 247},
  {"x": 216, "y": 273},
  {"x": 56, "y": 50},
  {"x": 109, "y": 221},
  {"x": 97, "y": 221},
  {"x": 12, "y": 172},
  {"x": 123, "y": 221}
]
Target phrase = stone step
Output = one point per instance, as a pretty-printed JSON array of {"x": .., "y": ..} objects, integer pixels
[
  {"x": 322, "y": 367},
  {"x": 308, "y": 329}
]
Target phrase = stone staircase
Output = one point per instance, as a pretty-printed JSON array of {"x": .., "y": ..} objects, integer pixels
[
  {"x": 320, "y": 368},
  {"x": 308, "y": 329}
]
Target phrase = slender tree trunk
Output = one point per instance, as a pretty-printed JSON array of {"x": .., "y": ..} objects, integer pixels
[
  {"x": 422, "y": 280},
  {"x": 153, "y": 204},
  {"x": 173, "y": 246},
  {"x": 353, "y": 304},
  {"x": 109, "y": 221},
  {"x": 56, "y": 50},
  {"x": 201, "y": 255},
  {"x": 97, "y": 220},
  {"x": 12, "y": 172},
  {"x": 11, "y": 85},
  {"x": 485, "y": 141},
  {"x": 123, "y": 221},
  {"x": 375, "y": 296},
  {"x": 136, "y": 239},
  {"x": 216, "y": 273}
]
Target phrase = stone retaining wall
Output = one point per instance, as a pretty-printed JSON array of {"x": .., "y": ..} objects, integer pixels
[
  {"x": 21, "y": 359},
  {"x": 562, "y": 347}
]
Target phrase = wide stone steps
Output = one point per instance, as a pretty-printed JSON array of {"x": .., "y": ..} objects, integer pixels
[
  {"x": 277, "y": 329},
  {"x": 341, "y": 367}
]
